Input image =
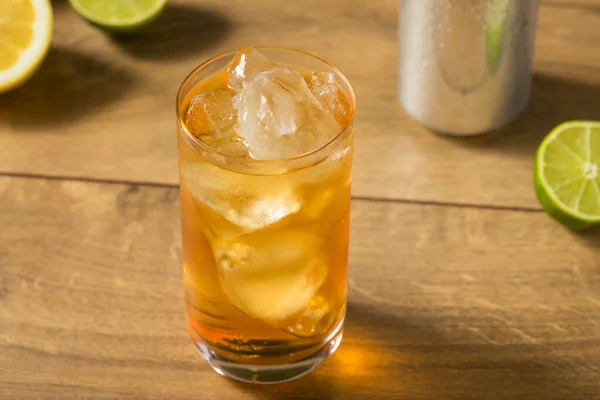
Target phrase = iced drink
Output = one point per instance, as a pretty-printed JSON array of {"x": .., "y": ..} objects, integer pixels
[{"x": 265, "y": 156}]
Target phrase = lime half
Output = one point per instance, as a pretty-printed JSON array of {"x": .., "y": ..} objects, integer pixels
[
  {"x": 119, "y": 15},
  {"x": 567, "y": 174}
]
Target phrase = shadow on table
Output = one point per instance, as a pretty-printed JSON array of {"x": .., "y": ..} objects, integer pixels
[
  {"x": 59, "y": 3},
  {"x": 553, "y": 100},
  {"x": 385, "y": 356},
  {"x": 179, "y": 32},
  {"x": 589, "y": 238},
  {"x": 67, "y": 86}
]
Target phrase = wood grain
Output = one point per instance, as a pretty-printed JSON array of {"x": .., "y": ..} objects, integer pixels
[
  {"x": 102, "y": 107},
  {"x": 444, "y": 303}
]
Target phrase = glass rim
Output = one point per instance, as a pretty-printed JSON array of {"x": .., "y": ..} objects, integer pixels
[{"x": 252, "y": 161}]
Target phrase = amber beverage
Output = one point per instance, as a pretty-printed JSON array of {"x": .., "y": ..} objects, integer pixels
[{"x": 265, "y": 141}]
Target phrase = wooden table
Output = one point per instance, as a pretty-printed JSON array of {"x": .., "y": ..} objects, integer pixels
[{"x": 460, "y": 286}]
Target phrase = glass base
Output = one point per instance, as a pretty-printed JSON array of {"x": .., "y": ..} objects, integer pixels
[{"x": 266, "y": 374}]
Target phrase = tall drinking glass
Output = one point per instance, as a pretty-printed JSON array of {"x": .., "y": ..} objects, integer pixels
[{"x": 265, "y": 242}]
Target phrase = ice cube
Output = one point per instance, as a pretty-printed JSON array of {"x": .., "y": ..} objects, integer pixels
[
  {"x": 330, "y": 168},
  {"x": 270, "y": 277},
  {"x": 247, "y": 202},
  {"x": 231, "y": 145},
  {"x": 245, "y": 65},
  {"x": 280, "y": 118},
  {"x": 314, "y": 320},
  {"x": 327, "y": 91},
  {"x": 212, "y": 118},
  {"x": 211, "y": 115}
]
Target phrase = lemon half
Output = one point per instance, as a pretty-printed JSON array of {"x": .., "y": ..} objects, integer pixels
[{"x": 25, "y": 34}]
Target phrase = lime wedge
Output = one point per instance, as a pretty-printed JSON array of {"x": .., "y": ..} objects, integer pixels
[
  {"x": 567, "y": 174},
  {"x": 119, "y": 15}
]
